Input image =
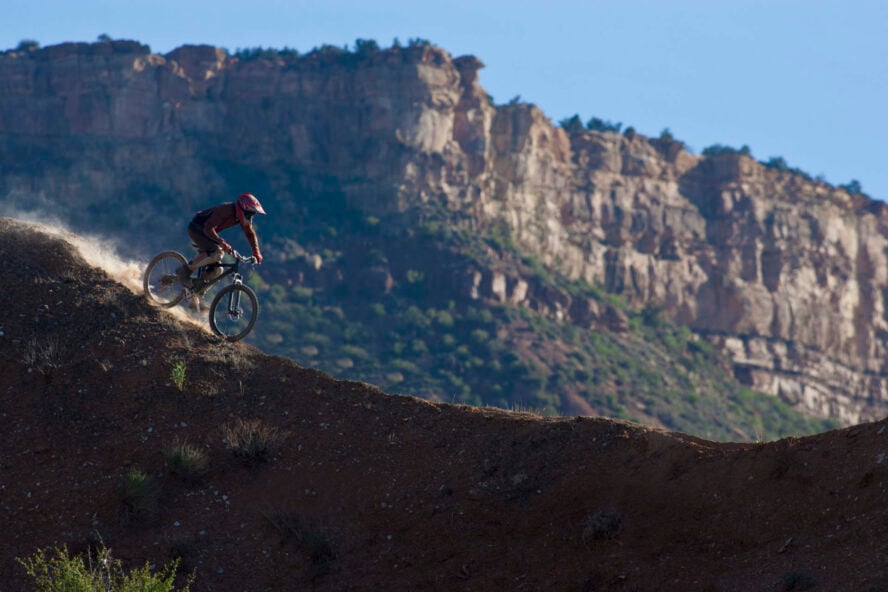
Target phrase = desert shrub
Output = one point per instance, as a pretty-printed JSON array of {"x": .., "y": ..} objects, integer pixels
[
  {"x": 416, "y": 319},
  {"x": 500, "y": 236},
  {"x": 597, "y": 124},
  {"x": 188, "y": 461},
  {"x": 139, "y": 492},
  {"x": 264, "y": 53},
  {"x": 177, "y": 375},
  {"x": 62, "y": 572},
  {"x": 302, "y": 293},
  {"x": 252, "y": 440},
  {"x": 354, "y": 351},
  {"x": 366, "y": 47},
  {"x": 572, "y": 125},
  {"x": 44, "y": 356},
  {"x": 604, "y": 525},
  {"x": 667, "y": 140},
  {"x": 777, "y": 163},
  {"x": 27, "y": 45},
  {"x": 853, "y": 187},
  {"x": 405, "y": 366},
  {"x": 717, "y": 149},
  {"x": 480, "y": 336}
]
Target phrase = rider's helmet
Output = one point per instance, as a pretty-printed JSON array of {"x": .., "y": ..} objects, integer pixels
[{"x": 247, "y": 206}]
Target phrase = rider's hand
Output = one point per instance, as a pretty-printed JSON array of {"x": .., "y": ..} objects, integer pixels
[
  {"x": 258, "y": 256},
  {"x": 227, "y": 248}
]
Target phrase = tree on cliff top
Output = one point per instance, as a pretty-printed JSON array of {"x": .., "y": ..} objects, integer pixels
[{"x": 27, "y": 45}]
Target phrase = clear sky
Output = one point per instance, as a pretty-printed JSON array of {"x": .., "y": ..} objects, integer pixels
[{"x": 806, "y": 80}]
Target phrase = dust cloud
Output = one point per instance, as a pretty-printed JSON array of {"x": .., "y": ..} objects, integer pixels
[
  {"x": 97, "y": 251},
  {"x": 103, "y": 253}
]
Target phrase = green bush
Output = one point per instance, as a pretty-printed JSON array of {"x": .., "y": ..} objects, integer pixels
[
  {"x": 28, "y": 45},
  {"x": 366, "y": 47},
  {"x": 264, "y": 53},
  {"x": 572, "y": 125},
  {"x": 62, "y": 572},
  {"x": 177, "y": 375},
  {"x": 777, "y": 163},
  {"x": 717, "y": 149},
  {"x": 599, "y": 125},
  {"x": 853, "y": 187}
]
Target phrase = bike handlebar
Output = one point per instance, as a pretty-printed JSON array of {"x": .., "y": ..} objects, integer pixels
[{"x": 239, "y": 257}]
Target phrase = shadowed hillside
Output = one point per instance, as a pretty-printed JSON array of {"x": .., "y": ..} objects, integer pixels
[{"x": 354, "y": 489}]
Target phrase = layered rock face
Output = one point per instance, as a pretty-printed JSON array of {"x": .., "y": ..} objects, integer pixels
[{"x": 785, "y": 274}]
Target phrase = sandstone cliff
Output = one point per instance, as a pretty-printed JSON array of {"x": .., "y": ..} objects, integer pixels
[{"x": 786, "y": 274}]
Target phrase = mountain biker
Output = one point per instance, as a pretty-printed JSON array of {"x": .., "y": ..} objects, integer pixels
[{"x": 204, "y": 231}]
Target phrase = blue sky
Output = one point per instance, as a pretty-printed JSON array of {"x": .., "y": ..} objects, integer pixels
[{"x": 804, "y": 80}]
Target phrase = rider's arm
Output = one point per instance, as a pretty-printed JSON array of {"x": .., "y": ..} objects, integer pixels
[{"x": 250, "y": 233}]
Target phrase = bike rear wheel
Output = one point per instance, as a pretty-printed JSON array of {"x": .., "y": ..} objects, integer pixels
[
  {"x": 234, "y": 312},
  {"x": 161, "y": 284}
]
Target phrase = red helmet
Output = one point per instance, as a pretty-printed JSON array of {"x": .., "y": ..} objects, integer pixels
[{"x": 247, "y": 205}]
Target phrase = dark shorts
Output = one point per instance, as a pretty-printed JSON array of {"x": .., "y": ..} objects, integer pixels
[{"x": 201, "y": 240}]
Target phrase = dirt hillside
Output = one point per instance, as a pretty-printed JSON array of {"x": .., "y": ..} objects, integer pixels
[{"x": 370, "y": 491}]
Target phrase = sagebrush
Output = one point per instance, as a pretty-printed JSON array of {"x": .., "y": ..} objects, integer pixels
[{"x": 59, "y": 571}]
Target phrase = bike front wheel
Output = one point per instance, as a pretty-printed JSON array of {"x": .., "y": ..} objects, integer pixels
[
  {"x": 161, "y": 284},
  {"x": 234, "y": 312}
]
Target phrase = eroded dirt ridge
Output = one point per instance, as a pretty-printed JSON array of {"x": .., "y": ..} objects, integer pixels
[{"x": 356, "y": 489}]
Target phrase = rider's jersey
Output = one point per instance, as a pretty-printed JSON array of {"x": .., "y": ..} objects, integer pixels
[{"x": 213, "y": 220}]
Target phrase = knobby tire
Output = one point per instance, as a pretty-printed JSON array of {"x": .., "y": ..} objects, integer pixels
[
  {"x": 160, "y": 283},
  {"x": 221, "y": 321}
]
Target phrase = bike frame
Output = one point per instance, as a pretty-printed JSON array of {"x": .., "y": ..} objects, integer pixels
[{"x": 228, "y": 269}]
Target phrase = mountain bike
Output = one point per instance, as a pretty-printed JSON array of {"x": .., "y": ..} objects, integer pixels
[{"x": 234, "y": 309}]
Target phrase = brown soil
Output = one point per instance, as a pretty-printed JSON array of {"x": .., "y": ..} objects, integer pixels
[{"x": 370, "y": 491}]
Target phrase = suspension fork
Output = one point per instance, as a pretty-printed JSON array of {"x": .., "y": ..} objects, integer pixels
[{"x": 234, "y": 296}]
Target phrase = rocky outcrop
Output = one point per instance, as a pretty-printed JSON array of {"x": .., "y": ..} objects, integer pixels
[{"x": 785, "y": 274}]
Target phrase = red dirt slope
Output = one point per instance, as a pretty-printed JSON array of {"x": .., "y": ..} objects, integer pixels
[{"x": 370, "y": 491}]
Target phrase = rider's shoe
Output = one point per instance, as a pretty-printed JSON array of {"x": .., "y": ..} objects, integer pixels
[{"x": 184, "y": 275}]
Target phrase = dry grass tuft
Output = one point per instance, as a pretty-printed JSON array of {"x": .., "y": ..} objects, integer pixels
[{"x": 252, "y": 440}]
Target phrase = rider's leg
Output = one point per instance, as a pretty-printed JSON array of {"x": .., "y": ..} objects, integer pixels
[
  {"x": 211, "y": 273},
  {"x": 202, "y": 258},
  {"x": 208, "y": 252},
  {"x": 205, "y": 258}
]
